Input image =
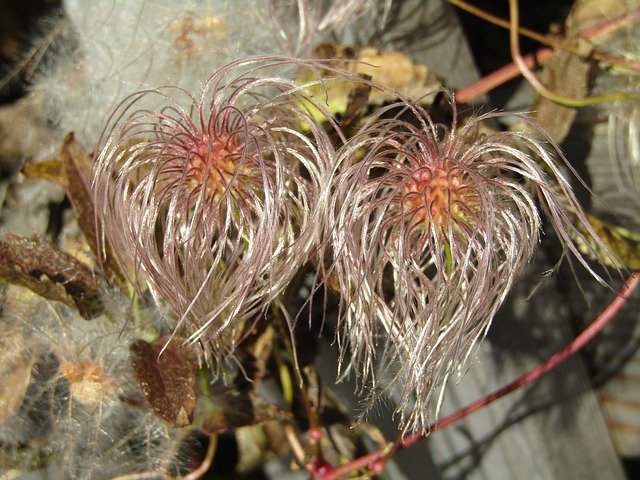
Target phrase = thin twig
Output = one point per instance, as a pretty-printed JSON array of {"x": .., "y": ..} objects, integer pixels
[
  {"x": 501, "y": 76},
  {"x": 577, "y": 344},
  {"x": 511, "y": 71},
  {"x": 605, "y": 27},
  {"x": 514, "y": 43},
  {"x": 296, "y": 446},
  {"x": 206, "y": 463},
  {"x": 378, "y": 458},
  {"x": 312, "y": 416}
]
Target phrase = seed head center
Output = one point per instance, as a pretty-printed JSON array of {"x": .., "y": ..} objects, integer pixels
[
  {"x": 213, "y": 162},
  {"x": 89, "y": 383},
  {"x": 437, "y": 194}
]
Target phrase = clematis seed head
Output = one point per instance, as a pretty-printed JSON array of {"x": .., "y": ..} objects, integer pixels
[
  {"x": 429, "y": 227},
  {"x": 211, "y": 203}
]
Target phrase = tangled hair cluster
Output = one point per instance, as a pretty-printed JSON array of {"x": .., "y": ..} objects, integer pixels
[
  {"x": 77, "y": 385},
  {"x": 301, "y": 24},
  {"x": 430, "y": 226},
  {"x": 214, "y": 203},
  {"x": 211, "y": 203}
]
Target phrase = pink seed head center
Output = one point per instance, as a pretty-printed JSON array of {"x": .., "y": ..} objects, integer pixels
[
  {"x": 438, "y": 193},
  {"x": 213, "y": 161}
]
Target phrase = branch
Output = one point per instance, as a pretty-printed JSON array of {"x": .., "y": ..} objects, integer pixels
[
  {"x": 375, "y": 461},
  {"x": 525, "y": 63}
]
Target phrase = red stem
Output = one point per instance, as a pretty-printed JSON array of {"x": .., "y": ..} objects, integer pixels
[
  {"x": 501, "y": 76},
  {"x": 378, "y": 458},
  {"x": 511, "y": 71}
]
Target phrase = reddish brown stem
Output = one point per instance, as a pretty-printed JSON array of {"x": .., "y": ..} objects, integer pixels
[
  {"x": 377, "y": 459},
  {"x": 206, "y": 463},
  {"x": 511, "y": 71},
  {"x": 501, "y": 76}
]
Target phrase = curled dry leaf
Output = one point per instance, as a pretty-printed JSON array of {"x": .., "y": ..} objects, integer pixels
[
  {"x": 396, "y": 71},
  {"x": 392, "y": 69},
  {"x": 623, "y": 245},
  {"x": 72, "y": 169},
  {"x": 51, "y": 273},
  {"x": 15, "y": 372},
  {"x": 79, "y": 166},
  {"x": 166, "y": 373},
  {"x": 226, "y": 409},
  {"x": 567, "y": 75},
  {"x": 51, "y": 170}
]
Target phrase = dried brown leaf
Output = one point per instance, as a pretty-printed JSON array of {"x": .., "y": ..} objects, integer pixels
[
  {"x": 167, "y": 375},
  {"x": 587, "y": 13},
  {"x": 392, "y": 69},
  {"x": 78, "y": 168},
  {"x": 568, "y": 76},
  {"x": 51, "y": 273},
  {"x": 226, "y": 409},
  {"x": 72, "y": 169},
  {"x": 15, "y": 372},
  {"x": 52, "y": 170},
  {"x": 396, "y": 71}
]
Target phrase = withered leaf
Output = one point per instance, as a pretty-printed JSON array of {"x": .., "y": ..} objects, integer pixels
[
  {"x": 52, "y": 170},
  {"x": 226, "y": 409},
  {"x": 78, "y": 168},
  {"x": 51, "y": 273},
  {"x": 566, "y": 75},
  {"x": 623, "y": 244},
  {"x": 167, "y": 379},
  {"x": 72, "y": 169},
  {"x": 15, "y": 370},
  {"x": 392, "y": 69},
  {"x": 396, "y": 71}
]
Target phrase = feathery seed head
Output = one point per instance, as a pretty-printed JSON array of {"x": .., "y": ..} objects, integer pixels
[
  {"x": 211, "y": 202},
  {"x": 430, "y": 226},
  {"x": 212, "y": 163},
  {"x": 303, "y": 23},
  {"x": 88, "y": 383},
  {"x": 72, "y": 406}
]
